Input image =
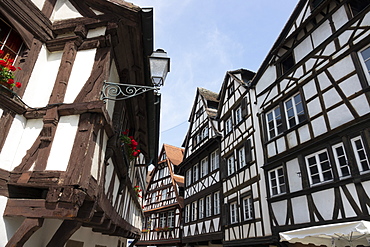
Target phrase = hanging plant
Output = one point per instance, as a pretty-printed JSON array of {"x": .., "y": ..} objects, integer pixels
[{"x": 130, "y": 145}]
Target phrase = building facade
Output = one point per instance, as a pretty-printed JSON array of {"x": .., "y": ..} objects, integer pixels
[
  {"x": 164, "y": 201},
  {"x": 66, "y": 177}
]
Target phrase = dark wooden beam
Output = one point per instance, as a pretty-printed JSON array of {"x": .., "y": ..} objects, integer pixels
[
  {"x": 64, "y": 232},
  {"x": 24, "y": 232}
]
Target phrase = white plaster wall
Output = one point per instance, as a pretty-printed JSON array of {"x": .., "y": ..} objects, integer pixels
[
  {"x": 96, "y": 32},
  {"x": 267, "y": 78},
  {"x": 319, "y": 126},
  {"x": 108, "y": 175},
  {"x": 294, "y": 175},
  {"x": 95, "y": 161},
  {"x": 351, "y": 86},
  {"x": 339, "y": 116},
  {"x": 361, "y": 105},
  {"x": 39, "y": 3},
  {"x": 280, "y": 211},
  {"x": 300, "y": 210},
  {"x": 309, "y": 90},
  {"x": 22, "y": 135},
  {"x": 80, "y": 73},
  {"x": 321, "y": 33},
  {"x": 42, "y": 236},
  {"x": 42, "y": 78},
  {"x": 303, "y": 49},
  {"x": 340, "y": 18},
  {"x": 63, "y": 143},
  {"x": 64, "y": 10},
  {"x": 91, "y": 238},
  {"x": 324, "y": 202},
  {"x": 342, "y": 68},
  {"x": 331, "y": 97}
]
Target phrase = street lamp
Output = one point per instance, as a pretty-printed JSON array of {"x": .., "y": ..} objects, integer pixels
[{"x": 159, "y": 65}]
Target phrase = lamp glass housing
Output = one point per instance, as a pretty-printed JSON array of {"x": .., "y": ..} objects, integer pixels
[{"x": 159, "y": 67}]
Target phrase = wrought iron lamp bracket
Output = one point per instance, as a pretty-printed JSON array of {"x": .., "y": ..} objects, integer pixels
[{"x": 119, "y": 91}]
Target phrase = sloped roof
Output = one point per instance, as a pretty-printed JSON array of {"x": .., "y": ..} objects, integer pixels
[
  {"x": 208, "y": 95},
  {"x": 174, "y": 154}
]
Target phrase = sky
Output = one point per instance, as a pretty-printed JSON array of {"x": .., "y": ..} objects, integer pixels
[{"x": 204, "y": 39}]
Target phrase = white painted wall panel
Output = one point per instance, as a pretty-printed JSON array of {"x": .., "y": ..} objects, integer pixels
[
  {"x": 300, "y": 210},
  {"x": 21, "y": 137},
  {"x": 342, "y": 68},
  {"x": 81, "y": 71},
  {"x": 351, "y": 86},
  {"x": 267, "y": 78},
  {"x": 319, "y": 126},
  {"x": 42, "y": 78},
  {"x": 294, "y": 175},
  {"x": 361, "y": 105},
  {"x": 321, "y": 33},
  {"x": 39, "y": 3},
  {"x": 280, "y": 211},
  {"x": 303, "y": 49},
  {"x": 64, "y": 10},
  {"x": 348, "y": 209},
  {"x": 292, "y": 139},
  {"x": 339, "y": 116},
  {"x": 63, "y": 142},
  {"x": 99, "y": 31},
  {"x": 340, "y": 18},
  {"x": 324, "y": 82},
  {"x": 281, "y": 145},
  {"x": 271, "y": 151},
  {"x": 331, "y": 97},
  {"x": 324, "y": 201},
  {"x": 309, "y": 90},
  {"x": 314, "y": 107},
  {"x": 304, "y": 134}
]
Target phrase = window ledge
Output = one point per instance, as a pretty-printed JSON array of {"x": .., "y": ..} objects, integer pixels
[{"x": 11, "y": 103}]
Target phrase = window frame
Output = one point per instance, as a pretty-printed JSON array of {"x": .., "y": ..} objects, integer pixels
[
  {"x": 229, "y": 125},
  {"x": 171, "y": 219},
  {"x": 281, "y": 188},
  {"x": 229, "y": 172},
  {"x": 242, "y": 162},
  {"x": 201, "y": 208},
  {"x": 195, "y": 173},
  {"x": 234, "y": 212},
  {"x": 189, "y": 176},
  {"x": 357, "y": 155},
  {"x": 194, "y": 211},
  {"x": 248, "y": 212},
  {"x": 238, "y": 115},
  {"x": 216, "y": 203},
  {"x": 338, "y": 160},
  {"x": 274, "y": 121},
  {"x": 162, "y": 219},
  {"x": 319, "y": 165},
  {"x": 215, "y": 160},
  {"x": 164, "y": 195},
  {"x": 295, "y": 111},
  {"x": 204, "y": 167},
  {"x": 208, "y": 206},
  {"x": 187, "y": 213}
]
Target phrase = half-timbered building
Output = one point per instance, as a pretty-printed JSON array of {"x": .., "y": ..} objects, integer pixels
[
  {"x": 66, "y": 179},
  {"x": 313, "y": 106},
  {"x": 164, "y": 201},
  {"x": 244, "y": 221},
  {"x": 201, "y": 168}
]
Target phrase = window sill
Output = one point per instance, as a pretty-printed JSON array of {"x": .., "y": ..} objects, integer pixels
[{"x": 11, "y": 103}]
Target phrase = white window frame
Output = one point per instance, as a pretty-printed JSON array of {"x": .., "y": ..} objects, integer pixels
[
  {"x": 187, "y": 213},
  {"x": 294, "y": 110},
  {"x": 201, "y": 208},
  {"x": 233, "y": 212},
  {"x": 319, "y": 164},
  {"x": 188, "y": 176},
  {"x": 204, "y": 167},
  {"x": 339, "y": 160},
  {"x": 171, "y": 219},
  {"x": 229, "y": 125},
  {"x": 230, "y": 165},
  {"x": 208, "y": 206},
  {"x": 241, "y": 157},
  {"x": 216, "y": 202},
  {"x": 247, "y": 208},
  {"x": 238, "y": 115},
  {"x": 215, "y": 160},
  {"x": 194, "y": 210},
  {"x": 162, "y": 220},
  {"x": 363, "y": 62},
  {"x": 195, "y": 173},
  {"x": 204, "y": 133},
  {"x": 273, "y": 120},
  {"x": 277, "y": 181},
  {"x": 154, "y": 197},
  {"x": 363, "y": 152},
  {"x": 164, "y": 194}
]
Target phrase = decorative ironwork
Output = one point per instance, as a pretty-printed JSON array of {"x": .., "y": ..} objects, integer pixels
[{"x": 119, "y": 91}]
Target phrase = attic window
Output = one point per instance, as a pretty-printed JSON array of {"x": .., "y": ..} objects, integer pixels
[
  {"x": 287, "y": 63},
  {"x": 357, "y": 6},
  {"x": 10, "y": 41}
]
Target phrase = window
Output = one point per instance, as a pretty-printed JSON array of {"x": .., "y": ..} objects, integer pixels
[
  {"x": 238, "y": 115},
  {"x": 287, "y": 63},
  {"x": 164, "y": 194},
  {"x": 274, "y": 122},
  {"x": 277, "y": 181},
  {"x": 319, "y": 168},
  {"x": 199, "y": 112},
  {"x": 241, "y": 157},
  {"x": 341, "y": 160},
  {"x": 247, "y": 208},
  {"x": 208, "y": 206},
  {"x": 360, "y": 154},
  {"x": 162, "y": 219},
  {"x": 228, "y": 125},
  {"x": 231, "y": 89},
  {"x": 204, "y": 133},
  {"x": 204, "y": 167},
  {"x": 187, "y": 213},
  {"x": 10, "y": 41},
  {"x": 216, "y": 202},
  {"x": 171, "y": 219},
  {"x": 154, "y": 197},
  {"x": 201, "y": 208},
  {"x": 161, "y": 173},
  {"x": 366, "y": 60},
  {"x": 233, "y": 213},
  {"x": 230, "y": 165},
  {"x": 195, "y": 172},
  {"x": 194, "y": 211},
  {"x": 214, "y": 160},
  {"x": 188, "y": 177},
  {"x": 357, "y": 6},
  {"x": 294, "y": 111}
]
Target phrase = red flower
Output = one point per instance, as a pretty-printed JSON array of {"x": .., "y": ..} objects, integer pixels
[
  {"x": 125, "y": 132},
  {"x": 134, "y": 143},
  {"x": 12, "y": 68},
  {"x": 131, "y": 137},
  {"x": 10, "y": 81},
  {"x": 3, "y": 63},
  {"x": 135, "y": 154},
  {"x": 19, "y": 68},
  {"x": 10, "y": 60},
  {"x": 18, "y": 84},
  {"x": 1, "y": 52}
]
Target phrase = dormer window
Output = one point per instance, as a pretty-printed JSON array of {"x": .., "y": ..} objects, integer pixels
[{"x": 10, "y": 41}]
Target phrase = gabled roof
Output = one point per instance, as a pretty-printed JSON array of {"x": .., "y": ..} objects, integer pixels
[{"x": 174, "y": 154}]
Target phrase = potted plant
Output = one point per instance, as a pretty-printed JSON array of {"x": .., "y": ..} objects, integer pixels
[{"x": 7, "y": 70}]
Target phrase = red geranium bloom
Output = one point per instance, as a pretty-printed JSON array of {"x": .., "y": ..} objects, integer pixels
[
  {"x": 125, "y": 132},
  {"x": 19, "y": 68},
  {"x": 10, "y": 81},
  {"x": 18, "y": 84},
  {"x": 10, "y": 60},
  {"x": 134, "y": 143},
  {"x": 135, "y": 154},
  {"x": 2, "y": 62},
  {"x": 12, "y": 68}
]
